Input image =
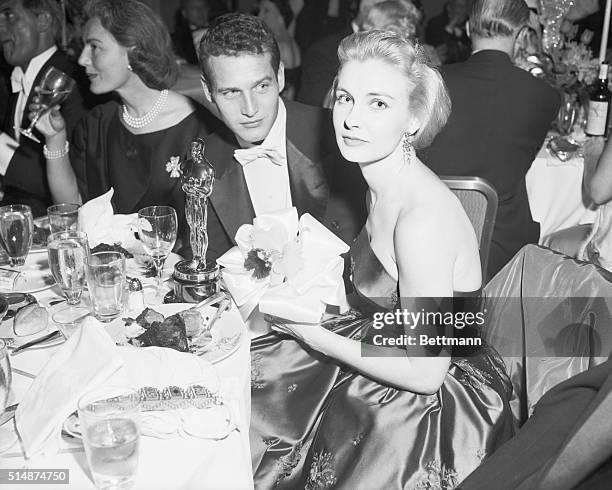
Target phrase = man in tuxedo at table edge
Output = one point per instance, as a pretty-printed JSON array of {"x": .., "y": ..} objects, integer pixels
[
  {"x": 271, "y": 154},
  {"x": 501, "y": 115},
  {"x": 28, "y": 29}
]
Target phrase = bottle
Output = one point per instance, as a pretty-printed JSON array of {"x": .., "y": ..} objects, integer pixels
[{"x": 599, "y": 105}]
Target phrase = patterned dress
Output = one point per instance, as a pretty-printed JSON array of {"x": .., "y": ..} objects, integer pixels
[{"x": 316, "y": 424}]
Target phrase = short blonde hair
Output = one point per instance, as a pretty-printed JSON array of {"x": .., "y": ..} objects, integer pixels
[
  {"x": 429, "y": 100},
  {"x": 400, "y": 16}
]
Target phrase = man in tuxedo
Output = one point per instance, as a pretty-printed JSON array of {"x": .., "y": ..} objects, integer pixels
[
  {"x": 272, "y": 154},
  {"x": 500, "y": 117},
  {"x": 28, "y": 29},
  {"x": 567, "y": 442}
]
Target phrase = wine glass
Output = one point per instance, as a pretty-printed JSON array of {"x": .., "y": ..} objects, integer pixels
[
  {"x": 68, "y": 252},
  {"x": 54, "y": 88},
  {"x": 5, "y": 376},
  {"x": 157, "y": 228},
  {"x": 16, "y": 231}
]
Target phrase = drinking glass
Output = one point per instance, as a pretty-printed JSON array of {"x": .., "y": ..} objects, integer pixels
[
  {"x": 54, "y": 88},
  {"x": 63, "y": 217},
  {"x": 5, "y": 376},
  {"x": 568, "y": 113},
  {"x": 110, "y": 424},
  {"x": 157, "y": 228},
  {"x": 68, "y": 252},
  {"x": 106, "y": 281},
  {"x": 16, "y": 231}
]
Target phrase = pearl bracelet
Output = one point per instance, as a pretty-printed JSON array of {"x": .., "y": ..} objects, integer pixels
[{"x": 54, "y": 155}]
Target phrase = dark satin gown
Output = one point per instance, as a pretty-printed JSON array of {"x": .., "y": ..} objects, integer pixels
[{"x": 316, "y": 424}]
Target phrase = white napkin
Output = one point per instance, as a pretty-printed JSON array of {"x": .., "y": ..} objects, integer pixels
[
  {"x": 88, "y": 358},
  {"x": 96, "y": 218},
  {"x": 161, "y": 367}
]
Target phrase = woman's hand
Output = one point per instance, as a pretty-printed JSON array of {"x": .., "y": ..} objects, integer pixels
[
  {"x": 51, "y": 122},
  {"x": 300, "y": 331}
]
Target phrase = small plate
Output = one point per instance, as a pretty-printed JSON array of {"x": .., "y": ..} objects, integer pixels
[
  {"x": 72, "y": 426},
  {"x": 35, "y": 275}
]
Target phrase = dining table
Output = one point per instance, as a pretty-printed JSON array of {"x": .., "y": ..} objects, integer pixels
[
  {"x": 164, "y": 463},
  {"x": 555, "y": 192}
]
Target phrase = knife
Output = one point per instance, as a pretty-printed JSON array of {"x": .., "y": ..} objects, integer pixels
[{"x": 51, "y": 336}]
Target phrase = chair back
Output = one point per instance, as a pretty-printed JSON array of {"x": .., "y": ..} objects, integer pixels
[{"x": 479, "y": 199}]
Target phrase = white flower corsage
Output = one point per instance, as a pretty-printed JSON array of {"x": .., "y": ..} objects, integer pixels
[{"x": 173, "y": 167}]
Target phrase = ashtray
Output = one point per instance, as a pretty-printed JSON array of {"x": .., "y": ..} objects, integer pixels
[{"x": 562, "y": 148}]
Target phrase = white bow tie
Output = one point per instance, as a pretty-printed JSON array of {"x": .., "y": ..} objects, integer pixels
[
  {"x": 248, "y": 155},
  {"x": 18, "y": 81}
]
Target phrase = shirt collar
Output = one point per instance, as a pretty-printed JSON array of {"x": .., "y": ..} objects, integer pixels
[
  {"x": 278, "y": 132},
  {"x": 32, "y": 70}
]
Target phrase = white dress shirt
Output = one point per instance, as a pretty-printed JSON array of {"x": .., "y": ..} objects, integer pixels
[
  {"x": 21, "y": 82},
  {"x": 268, "y": 182}
]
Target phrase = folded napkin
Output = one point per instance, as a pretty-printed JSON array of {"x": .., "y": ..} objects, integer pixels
[
  {"x": 87, "y": 358},
  {"x": 286, "y": 267},
  {"x": 96, "y": 218},
  {"x": 90, "y": 359},
  {"x": 160, "y": 367}
]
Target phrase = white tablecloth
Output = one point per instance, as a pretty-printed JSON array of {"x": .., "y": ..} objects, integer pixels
[
  {"x": 164, "y": 463},
  {"x": 554, "y": 189}
]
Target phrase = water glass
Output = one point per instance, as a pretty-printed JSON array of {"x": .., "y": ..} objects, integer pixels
[
  {"x": 68, "y": 253},
  {"x": 107, "y": 283},
  {"x": 157, "y": 229},
  {"x": 16, "y": 231},
  {"x": 110, "y": 424},
  {"x": 63, "y": 217},
  {"x": 5, "y": 376}
]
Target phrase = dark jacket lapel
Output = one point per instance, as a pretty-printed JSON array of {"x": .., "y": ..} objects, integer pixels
[
  {"x": 230, "y": 197},
  {"x": 308, "y": 183}
]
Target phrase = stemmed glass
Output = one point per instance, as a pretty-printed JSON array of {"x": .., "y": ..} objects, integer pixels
[
  {"x": 157, "y": 228},
  {"x": 54, "y": 88},
  {"x": 5, "y": 376},
  {"x": 16, "y": 231},
  {"x": 68, "y": 252}
]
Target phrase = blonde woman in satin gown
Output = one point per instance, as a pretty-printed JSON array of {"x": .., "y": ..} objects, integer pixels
[{"x": 329, "y": 410}]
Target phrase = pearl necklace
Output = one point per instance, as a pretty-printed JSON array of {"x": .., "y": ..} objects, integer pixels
[{"x": 148, "y": 118}]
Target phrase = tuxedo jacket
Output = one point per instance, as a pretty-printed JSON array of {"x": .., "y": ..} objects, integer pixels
[
  {"x": 25, "y": 181},
  {"x": 567, "y": 442},
  {"x": 321, "y": 182},
  {"x": 500, "y": 117}
]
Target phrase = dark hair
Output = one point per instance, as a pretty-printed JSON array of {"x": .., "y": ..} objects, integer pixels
[
  {"x": 493, "y": 18},
  {"x": 137, "y": 27},
  {"x": 235, "y": 35},
  {"x": 285, "y": 10},
  {"x": 50, "y": 7},
  {"x": 428, "y": 100}
]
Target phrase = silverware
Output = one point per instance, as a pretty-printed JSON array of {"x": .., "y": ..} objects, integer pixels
[
  {"x": 215, "y": 298},
  {"x": 224, "y": 305},
  {"x": 9, "y": 413},
  {"x": 51, "y": 336}
]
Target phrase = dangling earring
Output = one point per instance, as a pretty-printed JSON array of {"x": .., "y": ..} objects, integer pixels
[
  {"x": 407, "y": 149},
  {"x": 130, "y": 67}
]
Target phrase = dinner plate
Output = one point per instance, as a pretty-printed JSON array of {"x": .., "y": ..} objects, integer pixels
[
  {"x": 35, "y": 275},
  {"x": 226, "y": 333}
]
